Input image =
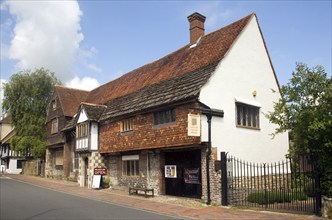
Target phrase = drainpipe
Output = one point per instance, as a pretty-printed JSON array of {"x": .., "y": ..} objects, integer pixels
[
  {"x": 209, "y": 112},
  {"x": 208, "y": 155}
]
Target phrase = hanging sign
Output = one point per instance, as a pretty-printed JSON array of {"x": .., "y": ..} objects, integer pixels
[
  {"x": 191, "y": 175},
  {"x": 194, "y": 125},
  {"x": 170, "y": 171}
]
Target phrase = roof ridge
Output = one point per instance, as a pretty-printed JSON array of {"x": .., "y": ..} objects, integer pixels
[
  {"x": 92, "y": 104},
  {"x": 71, "y": 88},
  {"x": 212, "y": 48}
]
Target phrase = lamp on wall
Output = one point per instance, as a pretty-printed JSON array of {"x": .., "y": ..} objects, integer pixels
[{"x": 254, "y": 93}]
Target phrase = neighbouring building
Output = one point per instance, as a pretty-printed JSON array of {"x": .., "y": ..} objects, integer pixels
[
  {"x": 11, "y": 161},
  {"x": 60, "y": 154},
  {"x": 153, "y": 126}
]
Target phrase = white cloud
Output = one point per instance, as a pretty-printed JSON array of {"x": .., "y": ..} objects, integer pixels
[
  {"x": 93, "y": 67},
  {"x": 87, "y": 83},
  {"x": 46, "y": 34}
]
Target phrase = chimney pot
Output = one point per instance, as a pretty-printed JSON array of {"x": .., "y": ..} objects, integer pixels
[{"x": 196, "y": 26}]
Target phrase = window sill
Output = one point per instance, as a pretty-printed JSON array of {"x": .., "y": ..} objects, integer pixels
[
  {"x": 126, "y": 132},
  {"x": 246, "y": 127},
  {"x": 164, "y": 125}
]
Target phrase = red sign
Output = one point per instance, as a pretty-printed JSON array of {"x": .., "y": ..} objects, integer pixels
[{"x": 100, "y": 171}]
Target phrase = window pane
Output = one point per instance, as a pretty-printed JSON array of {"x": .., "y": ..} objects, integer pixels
[
  {"x": 137, "y": 167},
  {"x": 244, "y": 116}
]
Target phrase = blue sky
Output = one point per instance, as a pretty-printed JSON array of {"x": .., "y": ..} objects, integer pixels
[{"x": 88, "y": 43}]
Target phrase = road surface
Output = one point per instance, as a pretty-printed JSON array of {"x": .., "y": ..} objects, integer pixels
[{"x": 19, "y": 200}]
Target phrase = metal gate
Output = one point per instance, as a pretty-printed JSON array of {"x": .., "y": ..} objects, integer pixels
[{"x": 291, "y": 185}]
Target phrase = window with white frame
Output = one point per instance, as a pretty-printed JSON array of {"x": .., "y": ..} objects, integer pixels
[
  {"x": 126, "y": 125},
  {"x": 247, "y": 116},
  {"x": 130, "y": 165},
  {"x": 54, "y": 126}
]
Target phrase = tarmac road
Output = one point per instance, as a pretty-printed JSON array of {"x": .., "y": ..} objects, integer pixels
[{"x": 19, "y": 200}]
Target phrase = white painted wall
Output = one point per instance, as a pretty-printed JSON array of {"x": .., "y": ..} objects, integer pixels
[
  {"x": 245, "y": 68},
  {"x": 82, "y": 117},
  {"x": 12, "y": 168},
  {"x": 94, "y": 136}
]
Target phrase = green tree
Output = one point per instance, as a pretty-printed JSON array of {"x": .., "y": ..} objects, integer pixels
[
  {"x": 306, "y": 112},
  {"x": 26, "y": 98}
]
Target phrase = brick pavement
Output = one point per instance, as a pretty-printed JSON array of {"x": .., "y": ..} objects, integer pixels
[{"x": 154, "y": 204}]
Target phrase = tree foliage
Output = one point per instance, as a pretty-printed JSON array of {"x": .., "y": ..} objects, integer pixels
[
  {"x": 26, "y": 98},
  {"x": 306, "y": 111}
]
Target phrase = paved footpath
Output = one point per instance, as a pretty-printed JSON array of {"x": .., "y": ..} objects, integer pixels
[{"x": 150, "y": 204}]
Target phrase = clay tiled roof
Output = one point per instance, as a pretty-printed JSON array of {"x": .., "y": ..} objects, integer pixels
[
  {"x": 181, "y": 88},
  {"x": 70, "y": 99},
  {"x": 211, "y": 49},
  {"x": 93, "y": 111}
]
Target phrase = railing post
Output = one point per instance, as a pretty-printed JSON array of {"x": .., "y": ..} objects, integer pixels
[
  {"x": 224, "y": 192},
  {"x": 265, "y": 187},
  {"x": 318, "y": 195}
]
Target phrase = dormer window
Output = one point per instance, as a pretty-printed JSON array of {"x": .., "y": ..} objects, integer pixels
[{"x": 82, "y": 130}]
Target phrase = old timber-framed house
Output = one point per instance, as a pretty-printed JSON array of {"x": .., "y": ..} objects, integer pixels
[{"x": 153, "y": 121}]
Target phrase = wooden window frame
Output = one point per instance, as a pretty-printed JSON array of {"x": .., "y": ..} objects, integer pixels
[
  {"x": 54, "y": 126},
  {"x": 247, "y": 116},
  {"x": 54, "y": 105},
  {"x": 166, "y": 117},
  {"x": 132, "y": 170},
  {"x": 126, "y": 125},
  {"x": 82, "y": 130}
]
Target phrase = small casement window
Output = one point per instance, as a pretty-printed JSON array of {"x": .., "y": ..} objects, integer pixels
[
  {"x": 130, "y": 165},
  {"x": 126, "y": 125},
  {"x": 54, "y": 126},
  {"x": 247, "y": 116},
  {"x": 164, "y": 117},
  {"x": 82, "y": 130},
  {"x": 54, "y": 105}
]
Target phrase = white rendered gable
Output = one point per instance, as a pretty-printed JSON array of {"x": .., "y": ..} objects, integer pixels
[
  {"x": 82, "y": 116},
  {"x": 244, "y": 71}
]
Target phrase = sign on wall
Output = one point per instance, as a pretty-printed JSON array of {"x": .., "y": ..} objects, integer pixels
[
  {"x": 194, "y": 125},
  {"x": 191, "y": 175},
  {"x": 170, "y": 171},
  {"x": 100, "y": 171}
]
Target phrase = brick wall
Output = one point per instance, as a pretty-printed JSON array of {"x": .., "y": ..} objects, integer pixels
[
  {"x": 147, "y": 136},
  {"x": 215, "y": 178}
]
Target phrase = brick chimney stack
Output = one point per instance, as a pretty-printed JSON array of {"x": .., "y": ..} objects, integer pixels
[{"x": 196, "y": 22}]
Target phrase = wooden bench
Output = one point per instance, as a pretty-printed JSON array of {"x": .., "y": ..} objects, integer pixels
[{"x": 136, "y": 190}]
